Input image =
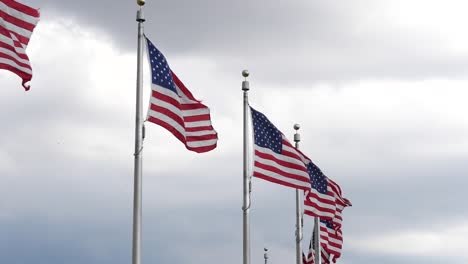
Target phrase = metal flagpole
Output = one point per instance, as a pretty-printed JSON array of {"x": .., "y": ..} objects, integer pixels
[
  {"x": 246, "y": 176},
  {"x": 317, "y": 239},
  {"x": 136, "y": 247},
  {"x": 297, "y": 138}
]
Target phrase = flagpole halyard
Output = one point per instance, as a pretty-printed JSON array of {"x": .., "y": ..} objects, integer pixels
[
  {"x": 297, "y": 139},
  {"x": 246, "y": 177},
  {"x": 137, "y": 185}
]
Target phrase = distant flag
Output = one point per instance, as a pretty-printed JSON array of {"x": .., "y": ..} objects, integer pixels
[
  {"x": 275, "y": 159},
  {"x": 320, "y": 198},
  {"x": 17, "y": 22},
  {"x": 331, "y": 240},
  {"x": 340, "y": 203},
  {"x": 173, "y": 106},
  {"x": 310, "y": 257}
]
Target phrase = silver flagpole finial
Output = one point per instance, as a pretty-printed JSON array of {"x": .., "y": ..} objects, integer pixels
[
  {"x": 297, "y": 136},
  {"x": 245, "y": 83},
  {"x": 265, "y": 256},
  {"x": 245, "y": 73}
]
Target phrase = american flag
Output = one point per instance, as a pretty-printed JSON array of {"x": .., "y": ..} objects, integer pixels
[
  {"x": 331, "y": 239},
  {"x": 173, "y": 106},
  {"x": 275, "y": 159},
  {"x": 319, "y": 199},
  {"x": 310, "y": 257},
  {"x": 17, "y": 22}
]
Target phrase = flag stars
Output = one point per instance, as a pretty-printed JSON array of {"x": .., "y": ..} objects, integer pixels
[
  {"x": 318, "y": 180},
  {"x": 161, "y": 71},
  {"x": 265, "y": 133}
]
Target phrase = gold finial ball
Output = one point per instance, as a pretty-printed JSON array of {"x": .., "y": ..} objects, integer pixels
[
  {"x": 245, "y": 73},
  {"x": 141, "y": 2}
]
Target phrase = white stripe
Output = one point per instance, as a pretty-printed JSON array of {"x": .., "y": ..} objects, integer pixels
[
  {"x": 195, "y": 112},
  {"x": 200, "y": 133},
  {"x": 11, "y": 63},
  {"x": 198, "y": 124},
  {"x": 14, "y": 55},
  {"x": 281, "y": 177},
  {"x": 202, "y": 143},
  {"x": 18, "y": 14}
]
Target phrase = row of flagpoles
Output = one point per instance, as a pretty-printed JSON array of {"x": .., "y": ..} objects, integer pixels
[{"x": 173, "y": 107}]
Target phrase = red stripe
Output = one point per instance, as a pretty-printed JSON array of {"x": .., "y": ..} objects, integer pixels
[
  {"x": 192, "y": 106},
  {"x": 280, "y": 172},
  {"x": 168, "y": 113},
  {"x": 275, "y": 180},
  {"x": 22, "y": 8},
  {"x": 16, "y": 21},
  {"x": 280, "y": 161},
  {"x": 197, "y": 118},
  {"x": 201, "y": 138},
  {"x": 23, "y": 75},
  {"x": 182, "y": 87},
  {"x": 199, "y": 128},
  {"x": 9, "y": 57}
]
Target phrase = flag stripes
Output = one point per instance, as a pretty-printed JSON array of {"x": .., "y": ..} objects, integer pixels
[{"x": 17, "y": 22}]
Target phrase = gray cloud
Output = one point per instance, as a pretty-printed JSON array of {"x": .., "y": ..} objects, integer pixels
[
  {"x": 307, "y": 41},
  {"x": 66, "y": 146}
]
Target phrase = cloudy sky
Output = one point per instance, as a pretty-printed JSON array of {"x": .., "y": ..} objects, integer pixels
[{"x": 379, "y": 88}]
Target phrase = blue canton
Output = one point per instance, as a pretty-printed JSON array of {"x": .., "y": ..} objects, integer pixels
[
  {"x": 160, "y": 71},
  {"x": 318, "y": 181},
  {"x": 328, "y": 223},
  {"x": 266, "y": 135}
]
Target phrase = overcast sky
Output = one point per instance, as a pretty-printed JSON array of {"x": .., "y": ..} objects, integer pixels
[{"x": 379, "y": 88}]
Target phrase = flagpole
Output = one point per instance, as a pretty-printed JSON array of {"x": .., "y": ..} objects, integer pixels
[
  {"x": 317, "y": 239},
  {"x": 137, "y": 185},
  {"x": 246, "y": 177},
  {"x": 297, "y": 138}
]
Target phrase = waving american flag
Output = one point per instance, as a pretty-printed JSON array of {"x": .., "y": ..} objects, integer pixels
[{"x": 174, "y": 107}]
